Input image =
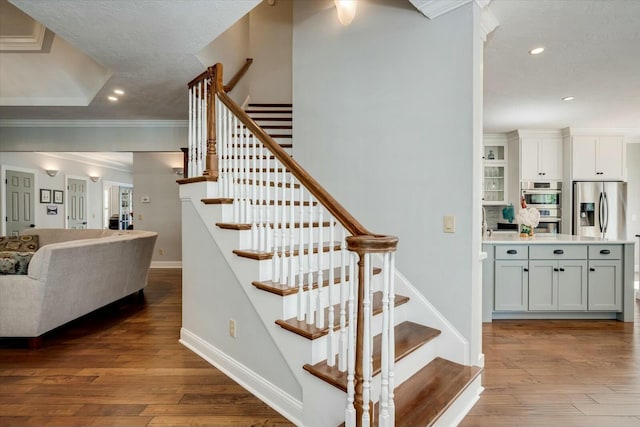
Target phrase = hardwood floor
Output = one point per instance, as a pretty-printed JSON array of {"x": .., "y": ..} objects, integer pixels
[
  {"x": 560, "y": 373},
  {"x": 123, "y": 366}
]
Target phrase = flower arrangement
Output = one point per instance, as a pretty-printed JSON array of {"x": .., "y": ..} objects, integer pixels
[{"x": 528, "y": 218}]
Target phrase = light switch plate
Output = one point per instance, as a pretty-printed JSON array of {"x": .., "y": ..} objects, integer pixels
[{"x": 449, "y": 224}]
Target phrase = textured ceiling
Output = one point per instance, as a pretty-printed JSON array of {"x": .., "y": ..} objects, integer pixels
[
  {"x": 592, "y": 53},
  {"x": 149, "y": 46}
]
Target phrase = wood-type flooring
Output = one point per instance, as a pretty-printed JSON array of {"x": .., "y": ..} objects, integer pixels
[
  {"x": 560, "y": 373},
  {"x": 123, "y": 366}
]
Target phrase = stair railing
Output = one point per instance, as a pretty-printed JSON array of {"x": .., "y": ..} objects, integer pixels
[{"x": 277, "y": 199}]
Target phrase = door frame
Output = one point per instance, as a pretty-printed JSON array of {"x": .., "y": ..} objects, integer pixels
[
  {"x": 110, "y": 183},
  {"x": 3, "y": 203},
  {"x": 66, "y": 198}
]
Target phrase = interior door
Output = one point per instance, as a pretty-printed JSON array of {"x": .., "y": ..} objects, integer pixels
[
  {"x": 77, "y": 206},
  {"x": 20, "y": 198}
]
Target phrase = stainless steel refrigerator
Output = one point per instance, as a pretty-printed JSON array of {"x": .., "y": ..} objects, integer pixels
[{"x": 599, "y": 209}]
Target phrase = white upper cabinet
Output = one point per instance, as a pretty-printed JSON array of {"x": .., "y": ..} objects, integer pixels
[
  {"x": 540, "y": 159},
  {"x": 597, "y": 158}
]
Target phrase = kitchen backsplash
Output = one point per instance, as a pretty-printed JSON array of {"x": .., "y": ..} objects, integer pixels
[{"x": 494, "y": 214}]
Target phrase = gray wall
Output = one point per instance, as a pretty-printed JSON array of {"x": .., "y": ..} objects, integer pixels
[
  {"x": 384, "y": 121},
  {"x": 154, "y": 178},
  {"x": 633, "y": 195}
]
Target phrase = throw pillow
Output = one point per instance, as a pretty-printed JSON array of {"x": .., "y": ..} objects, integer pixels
[
  {"x": 26, "y": 243},
  {"x": 12, "y": 262}
]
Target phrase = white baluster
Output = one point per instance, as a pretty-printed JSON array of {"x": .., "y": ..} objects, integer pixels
[
  {"x": 198, "y": 129},
  {"x": 237, "y": 184},
  {"x": 269, "y": 201},
  {"x": 301, "y": 313},
  {"x": 320, "y": 309},
  {"x": 344, "y": 295},
  {"x": 190, "y": 135},
  {"x": 232, "y": 146},
  {"x": 221, "y": 140},
  {"x": 366, "y": 344},
  {"x": 331, "y": 360},
  {"x": 284, "y": 268},
  {"x": 203, "y": 127},
  {"x": 350, "y": 413},
  {"x": 292, "y": 228},
  {"x": 310, "y": 292},
  {"x": 392, "y": 337},
  {"x": 241, "y": 176},
  {"x": 255, "y": 233},
  {"x": 275, "y": 261},
  {"x": 385, "y": 362}
]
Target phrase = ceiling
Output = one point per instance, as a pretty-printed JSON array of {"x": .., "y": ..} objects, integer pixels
[{"x": 149, "y": 49}]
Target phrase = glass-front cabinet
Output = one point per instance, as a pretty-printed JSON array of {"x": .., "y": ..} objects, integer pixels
[{"x": 494, "y": 167}]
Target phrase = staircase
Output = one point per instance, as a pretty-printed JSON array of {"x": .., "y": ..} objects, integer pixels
[{"x": 364, "y": 345}]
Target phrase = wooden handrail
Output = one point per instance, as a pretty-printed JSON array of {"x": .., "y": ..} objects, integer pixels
[
  {"x": 337, "y": 210},
  {"x": 235, "y": 79}
]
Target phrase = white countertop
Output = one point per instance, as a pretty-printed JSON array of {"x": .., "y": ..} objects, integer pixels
[{"x": 544, "y": 238}]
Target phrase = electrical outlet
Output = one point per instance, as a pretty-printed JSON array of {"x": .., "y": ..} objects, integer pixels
[
  {"x": 232, "y": 328},
  {"x": 161, "y": 251}
]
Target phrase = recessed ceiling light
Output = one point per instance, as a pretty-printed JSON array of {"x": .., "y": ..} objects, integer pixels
[
  {"x": 536, "y": 51},
  {"x": 568, "y": 98},
  {"x": 118, "y": 91},
  {"x": 112, "y": 98}
]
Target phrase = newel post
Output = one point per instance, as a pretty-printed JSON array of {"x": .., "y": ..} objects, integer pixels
[
  {"x": 364, "y": 246},
  {"x": 215, "y": 78}
]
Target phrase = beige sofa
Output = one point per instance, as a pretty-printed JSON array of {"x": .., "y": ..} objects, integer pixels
[{"x": 73, "y": 273}]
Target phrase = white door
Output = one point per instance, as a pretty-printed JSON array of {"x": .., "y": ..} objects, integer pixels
[
  {"x": 77, "y": 203},
  {"x": 20, "y": 199}
]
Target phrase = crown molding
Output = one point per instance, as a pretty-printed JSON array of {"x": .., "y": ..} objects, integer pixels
[
  {"x": 94, "y": 123},
  {"x": 31, "y": 42},
  {"x": 628, "y": 133},
  {"x": 434, "y": 8}
]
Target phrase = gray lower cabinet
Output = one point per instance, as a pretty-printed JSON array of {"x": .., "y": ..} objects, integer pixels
[
  {"x": 511, "y": 285},
  {"x": 605, "y": 285},
  {"x": 557, "y": 285}
]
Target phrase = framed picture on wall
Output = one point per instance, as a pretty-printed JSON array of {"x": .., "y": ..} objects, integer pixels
[
  {"x": 45, "y": 196},
  {"x": 58, "y": 196}
]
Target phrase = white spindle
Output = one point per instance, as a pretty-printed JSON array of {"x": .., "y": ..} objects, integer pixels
[
  {"x": 344, "y": 295},
  {"x": 198, "y": 129},
  {"x": 269, "y": 201},
  {"x": 190, "y": 135},
  {"x": 366, "y": 344},
  {"x": 261, "y": 230},
  {"x": 284, "y": 259},
  {"x": 384, "y": 383},
  {"x": 239, "y": 130},
  {"x": 203, "y": 127},
  {"x": 320, "y": 301},
  {"x": 229, "y": 153},
  {"x": 392, "y": 337},
  {"x": 301, "y": 314},
  {"x": 331, "y": 360},
  {"x": 310, "y": 292},
  {"x": 292, "y": 228},
  {"x": 256, "y": 188},
  {"x": 275, "y": 261},
  {"x": 350, "y": 413}
]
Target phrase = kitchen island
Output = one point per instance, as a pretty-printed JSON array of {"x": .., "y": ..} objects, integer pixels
[{"x": 557, "y": 276}]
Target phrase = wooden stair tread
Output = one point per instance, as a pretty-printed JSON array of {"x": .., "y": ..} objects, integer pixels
[
  {"x": 272, "y": 126},
  {"x": 302, "y": 328},
  {"x": 283, "y": 289},
  {"x": 283, "y": 145},
  {"x": 236, "y": 226},
  {"x": 409, "y": 337},
  {"x": 254, "y": 111},
  {"x": 218, "y": 201},
  {"x": 424, "y": 397},
  {"x": 259, "y": 255},
  {"x": 271, "y": 119}
]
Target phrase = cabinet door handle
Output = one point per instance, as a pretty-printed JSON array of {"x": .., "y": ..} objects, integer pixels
[
  {"x": 561, "y": 269},
  {"x": 555, "y": 269},
  {"x": 525, "y": 269},
  {"x": 605, "y": 252},
  {"x": 512, "y": 252},
  {"x": 558, "y": 251},
  {"x": 592, "y": 269}
]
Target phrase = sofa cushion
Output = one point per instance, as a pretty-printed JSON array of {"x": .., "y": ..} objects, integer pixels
[
  {"x": 13, "y": 262},
  {"x": 25, "y": 243}
]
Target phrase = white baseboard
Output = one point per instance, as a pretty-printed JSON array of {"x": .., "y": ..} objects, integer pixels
[
  {"x": 285, "y": 404},
  {"x": 166, "y": 264}
]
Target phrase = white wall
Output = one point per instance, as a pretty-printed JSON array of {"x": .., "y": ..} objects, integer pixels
[
  {"x": 39, "y": 162},
  {"x": 154, "y": 178},
  {"x": 231, "y": 49},
  {"x": 270, "y": 46},
  {"x": 94, "y": 136},
  {"x": 633, "y": 195},
  {"x": 384, "y": 120}
]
